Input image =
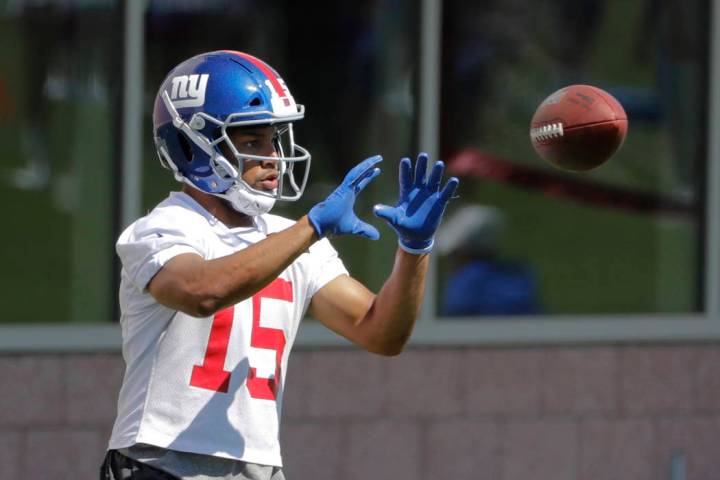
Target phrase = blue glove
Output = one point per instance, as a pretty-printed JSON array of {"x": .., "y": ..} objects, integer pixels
[
  {"x": 334, "y": 216},
  {"x": 417, "y": 214}
]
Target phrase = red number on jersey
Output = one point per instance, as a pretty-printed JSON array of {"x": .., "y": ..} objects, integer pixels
[
  {"x": 270, "y": 338},
  {"x": 211, "y": 374}
]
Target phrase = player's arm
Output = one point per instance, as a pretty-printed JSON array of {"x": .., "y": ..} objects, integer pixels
[
  {"x": 383, "y": 323},
  {"x": 379, "y": 323},
  {"x": 201, "y": 287}
]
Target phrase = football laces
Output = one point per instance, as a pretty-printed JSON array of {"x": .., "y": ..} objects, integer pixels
[{"x": 547, "y": 132}]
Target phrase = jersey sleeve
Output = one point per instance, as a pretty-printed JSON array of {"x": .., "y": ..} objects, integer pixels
[
  {"x": 326, "y": 265},
  {"x": 144, "y": 248}
]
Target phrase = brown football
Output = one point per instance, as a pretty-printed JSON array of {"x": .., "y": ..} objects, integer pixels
[{"x": 578, "y": 128}]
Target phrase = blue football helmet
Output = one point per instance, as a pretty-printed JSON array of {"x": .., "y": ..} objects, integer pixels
[{"x": 207, "y": 94}]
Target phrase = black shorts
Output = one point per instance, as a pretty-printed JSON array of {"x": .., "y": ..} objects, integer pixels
[{"x": 119, "y": 467}]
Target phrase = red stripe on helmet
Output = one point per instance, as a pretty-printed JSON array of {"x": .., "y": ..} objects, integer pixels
[{"x": 265, "y": 69}]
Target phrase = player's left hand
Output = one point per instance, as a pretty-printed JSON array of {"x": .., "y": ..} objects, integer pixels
[{"x": 418, "y": 213}]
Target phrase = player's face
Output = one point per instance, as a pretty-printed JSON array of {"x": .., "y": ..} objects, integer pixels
[{"x": 260, "y": 174}]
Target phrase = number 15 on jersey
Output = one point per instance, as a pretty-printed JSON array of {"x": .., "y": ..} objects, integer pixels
[{"x": 212, "y": 375}]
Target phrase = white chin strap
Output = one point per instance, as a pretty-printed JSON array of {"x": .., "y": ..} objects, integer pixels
[{"x": 244, "y": 201}]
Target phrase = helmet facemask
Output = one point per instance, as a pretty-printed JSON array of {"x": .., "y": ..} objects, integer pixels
[
  {"x": 292, "y": 160},
  {"x": 229, "y": 184}
]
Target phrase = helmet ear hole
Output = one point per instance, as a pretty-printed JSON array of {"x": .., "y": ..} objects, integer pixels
[
  {"x": 185, "y": 146},
  {"x": 255, "y": 102}
]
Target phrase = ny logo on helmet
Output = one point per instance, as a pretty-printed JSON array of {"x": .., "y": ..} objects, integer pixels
[{"x": 189, "y": 90}]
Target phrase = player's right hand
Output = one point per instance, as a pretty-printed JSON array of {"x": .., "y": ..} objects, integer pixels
[{"x": 334, "y": 216}]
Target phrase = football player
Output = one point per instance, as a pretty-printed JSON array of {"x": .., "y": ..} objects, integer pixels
[{"x": 214, "y": 287}]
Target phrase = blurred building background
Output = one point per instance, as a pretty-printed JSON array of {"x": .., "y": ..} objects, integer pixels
[{"x": 614, "y": 372}]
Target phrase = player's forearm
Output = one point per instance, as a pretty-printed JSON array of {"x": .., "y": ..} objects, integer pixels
[
  {"x": 398, "y": 303},
  {"x": 236, "y": 277}
]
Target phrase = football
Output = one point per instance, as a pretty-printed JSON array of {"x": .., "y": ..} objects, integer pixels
[{"x": 578, "y": 128}]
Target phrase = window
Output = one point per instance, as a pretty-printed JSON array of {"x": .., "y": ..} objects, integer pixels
[
  {"x": 627, "y": 238},
  {"x": 59, "y": 139},
  {"x": 625, "y": 250}
]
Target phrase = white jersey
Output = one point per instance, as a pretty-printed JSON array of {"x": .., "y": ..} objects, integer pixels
[{"x": 209, "y": 385}]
